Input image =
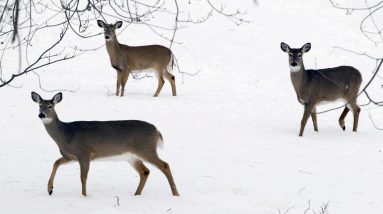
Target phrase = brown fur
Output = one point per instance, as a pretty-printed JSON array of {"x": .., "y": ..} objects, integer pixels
[
  {"x": 84, "y": 141},
  {"x": 126, "y": 59},
  {"x": 323, "y": 85}
]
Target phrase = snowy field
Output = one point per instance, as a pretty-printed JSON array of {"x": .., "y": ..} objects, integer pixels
[{"x": 231, "y": 134}]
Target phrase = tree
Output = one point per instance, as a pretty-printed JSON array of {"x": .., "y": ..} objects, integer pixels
[
  {"x": 24, "y": 22},
  {"x": 371, "y": 26}
]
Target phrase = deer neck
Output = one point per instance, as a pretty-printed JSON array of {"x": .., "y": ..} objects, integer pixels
[
  {"x": 114, "y": 49},
  {"x": 56, "y": 129},
  {"x": 298, "y": 78}
]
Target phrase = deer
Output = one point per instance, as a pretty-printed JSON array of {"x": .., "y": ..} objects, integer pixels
[
  {"x": 85, "y": 141},
  {"x": 127, "y": 59},
  {"x": 316, "y": 87}
]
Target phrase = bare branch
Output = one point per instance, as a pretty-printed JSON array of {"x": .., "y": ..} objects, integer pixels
[
  {"x": 371, "y": 11},
  {"x": 54, "y": 90},
  {"x": 372, "y": 121},
  {"x": 19, "y": 22},
  {"x": 364, "y": 90}
]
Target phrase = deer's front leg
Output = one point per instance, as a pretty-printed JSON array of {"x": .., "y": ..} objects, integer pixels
[
  {"x": 84, "y": 169},
  {"x": 118, "y": 85},
  {"x": 119, "y": 78},
  {"x": 56, "y": 165},
  {"x": 306, "y": 114},
  {"x": 124, "y": 79},
  {"x": 314, "y": 118}
]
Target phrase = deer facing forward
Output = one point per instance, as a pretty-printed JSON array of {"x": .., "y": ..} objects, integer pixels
[
  {"x": 84, "y": 141},
  {"x": 126, "y": 59},
  {"x": 323, "y": 85}
]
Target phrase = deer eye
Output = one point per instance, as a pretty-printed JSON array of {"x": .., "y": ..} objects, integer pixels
[
  {"x": 299, "y": 55},
  {"x": 50, "y": 107},
  {"x": 290, "y": 54}
]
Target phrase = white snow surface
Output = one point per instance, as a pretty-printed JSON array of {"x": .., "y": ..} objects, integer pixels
[{"x": 231, "y": 134}]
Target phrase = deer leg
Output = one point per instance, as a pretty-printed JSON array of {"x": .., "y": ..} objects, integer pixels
[
  {"x": 161, "y": 82},
  {"x": 124, "y": 79},
  {"x": 342, "y": 117},
  {"x": 355, "y": 110},
  {"x": 172, "y": 81},
  {"x": 84, "y": 169},
  {"x": 143, "y": 172},
  {"x": 314, "y": 118},
  {"x": 306, "y": 115},
  {"x": 119, "y": 75},
  {"x": 56, "y": 165},
  {"x": 164, "y": 167}
]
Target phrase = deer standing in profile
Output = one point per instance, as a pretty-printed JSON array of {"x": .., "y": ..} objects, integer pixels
[
  {"x": 84, "y": 141},
  {"x": 323, "y": 85},
  {"x": 126, "y": 59}
]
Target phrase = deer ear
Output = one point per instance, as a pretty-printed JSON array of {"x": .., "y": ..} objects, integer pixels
[
  {"x": 57, "y": 98},
  {"x": 35, "y": 97},
  {"x": 118, "y": 24},
  {"x": 285, "y": 47},
  {"x": 305, "y": 48},
  {"x": 100, "y": 23}
]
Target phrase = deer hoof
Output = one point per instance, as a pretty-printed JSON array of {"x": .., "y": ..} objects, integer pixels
[
  {"x": 50, "y": 191},
  {"x": 344, "y": 128}
]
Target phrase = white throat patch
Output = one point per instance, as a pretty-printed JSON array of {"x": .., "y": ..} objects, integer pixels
[
  {"x": 46, "y": 120},
  {"x": 295, "y": 68}
]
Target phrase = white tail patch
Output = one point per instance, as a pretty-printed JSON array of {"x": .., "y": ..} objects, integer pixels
[{"x": 160, "y": 141}]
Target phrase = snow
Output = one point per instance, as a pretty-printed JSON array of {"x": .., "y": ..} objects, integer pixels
[{"x": 230, "y": 136}]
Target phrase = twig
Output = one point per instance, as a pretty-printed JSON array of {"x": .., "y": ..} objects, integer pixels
[
  {"x": 308, "y": 207},
  {"x": 364, "y": 90},
  {"x": 372, "y": 121},
  {"x": 19, "y": 22},
  {"x": 117, "y": 200},
  {"x": 175, "y": 24},
  {"x": 55, "y": 90}
]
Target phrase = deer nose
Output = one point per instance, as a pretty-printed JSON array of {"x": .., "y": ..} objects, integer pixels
[
  {"x": 294, "y": 63},
  {"x": 107, "y": 37},
  {"x": 41, "y": 116}
]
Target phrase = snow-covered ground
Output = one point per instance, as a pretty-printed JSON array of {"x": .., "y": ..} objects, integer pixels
[{"x": 231, "y": 134}]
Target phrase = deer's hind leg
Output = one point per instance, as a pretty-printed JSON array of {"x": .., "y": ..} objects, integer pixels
[
  {"x": 172, "y": 81},
  {"x": 161, "y": 81},
  {"x": 164, "y": 167},
  {"x": 143, "y": 171},
  {"x": 355, "y": 111},
  {"x": 342, "y": 117}
]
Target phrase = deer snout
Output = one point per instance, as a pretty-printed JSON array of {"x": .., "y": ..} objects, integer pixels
[
  {"x": 294, "y": 63},
  {"x": 41, "y": 116},
  {"x": 107, "y": 37}
]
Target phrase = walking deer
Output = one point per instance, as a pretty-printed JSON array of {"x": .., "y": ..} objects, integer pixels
[
  {"x": 323, "y": 85},
  {"x": 84, "y": 141},
  {"x": 126, "y": 59}
]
